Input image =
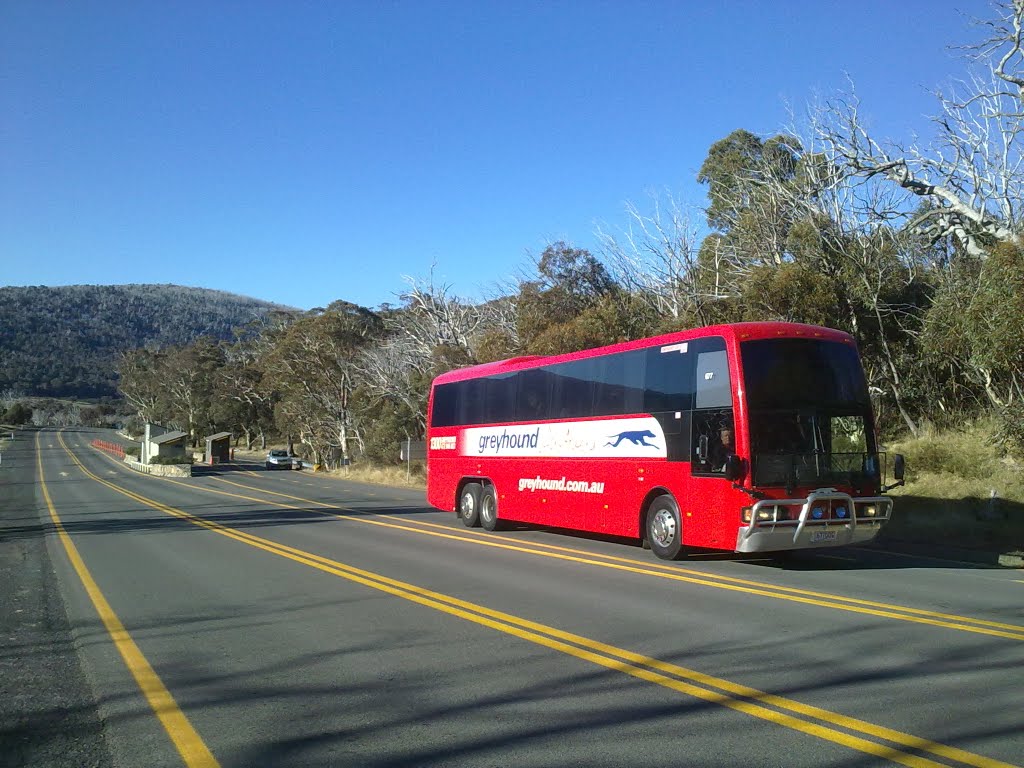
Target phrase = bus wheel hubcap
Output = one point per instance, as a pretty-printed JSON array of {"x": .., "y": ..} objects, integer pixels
[
  {"x": 467, "y": 505},
  {"x": 663, "y": 529}
]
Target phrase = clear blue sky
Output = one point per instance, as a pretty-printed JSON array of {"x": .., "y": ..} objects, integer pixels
[{"x": 302, "y": 152}]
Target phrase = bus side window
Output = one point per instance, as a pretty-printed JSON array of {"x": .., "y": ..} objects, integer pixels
[
  {"x": 533, "y": 399},
  {"x": 713, "y": 439},
  {"x": 713, "y": 387},
  {"x": 445, "y": 407}
]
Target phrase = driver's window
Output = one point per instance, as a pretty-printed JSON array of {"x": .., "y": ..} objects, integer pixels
[{"x": 714, "y": 438}]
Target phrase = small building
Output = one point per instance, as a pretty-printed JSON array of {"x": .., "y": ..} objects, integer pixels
[
  {"x": 160, "y": 441},
  {"x": 169, "y": 445},
  {"x": 218, "y": 448}
]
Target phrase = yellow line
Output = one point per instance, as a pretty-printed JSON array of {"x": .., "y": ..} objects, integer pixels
[
  {"x": 737, "y": 697},
  {"x": 188, "y": 743},
  {"x": 806, "y": 597},
  {"x": 717, "y": 581}
]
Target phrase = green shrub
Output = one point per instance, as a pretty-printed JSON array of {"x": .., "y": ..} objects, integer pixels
[
  {"x": 1012, "y": 428},
  {"x": 970, "y": 453},
  {"x": 18, "y": 414},
  {"x": 171, "y": 460}
]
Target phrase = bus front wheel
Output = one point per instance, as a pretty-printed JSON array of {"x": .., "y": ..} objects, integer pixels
[
  {"x": 665, "y": 528},
  {"x": 469, "y": 504}
]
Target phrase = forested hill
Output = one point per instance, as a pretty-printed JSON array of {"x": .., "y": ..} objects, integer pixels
[{"x": 65, "y": 341}]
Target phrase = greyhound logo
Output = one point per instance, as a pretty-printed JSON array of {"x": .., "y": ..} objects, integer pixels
[{"x": 638, "y": 437}]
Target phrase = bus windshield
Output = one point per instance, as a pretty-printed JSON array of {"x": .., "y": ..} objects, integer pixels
[{"x": 810, "y": 421}]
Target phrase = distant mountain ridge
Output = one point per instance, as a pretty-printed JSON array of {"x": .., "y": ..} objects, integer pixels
[{"x": 65, "y": 341}]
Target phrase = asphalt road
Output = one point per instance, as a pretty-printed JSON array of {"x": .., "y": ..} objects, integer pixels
[{"x": 253, "y": 618}]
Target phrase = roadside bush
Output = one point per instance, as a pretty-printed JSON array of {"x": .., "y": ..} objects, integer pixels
[
  {"x": 171, "y": 460},
  {"x": 133, "y": 451},
  {"x": 971, "y": 453},
  {"x": 1012, "y": 428},
  {"x": 18, "y": 414},
  {"x": 964, "y": 464}
]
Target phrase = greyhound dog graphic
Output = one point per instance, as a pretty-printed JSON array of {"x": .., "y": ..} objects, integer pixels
[{"x": 638, "y": 437}]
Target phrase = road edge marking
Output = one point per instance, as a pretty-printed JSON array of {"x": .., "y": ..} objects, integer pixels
[
  {"x": 725, "y": 693},
  {"x": 183, "y": 735}
]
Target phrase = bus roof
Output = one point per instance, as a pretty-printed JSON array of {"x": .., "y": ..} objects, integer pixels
[{"x": 736, "y": 331}]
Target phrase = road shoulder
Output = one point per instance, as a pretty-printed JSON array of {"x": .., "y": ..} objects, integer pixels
[{"x": 48, "y": 713}]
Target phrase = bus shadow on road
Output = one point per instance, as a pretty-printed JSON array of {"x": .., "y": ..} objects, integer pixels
[
  {"x": 876, "y": 558},
  {"x": 882, "y": 556}
]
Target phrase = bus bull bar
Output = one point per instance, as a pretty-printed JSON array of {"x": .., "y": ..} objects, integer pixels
[{"x": 817, "y": 524}]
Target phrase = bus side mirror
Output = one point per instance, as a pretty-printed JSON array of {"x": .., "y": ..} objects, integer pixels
[
  {"x": 899, "y": 466},
  {"x": 733, "y": 467}
]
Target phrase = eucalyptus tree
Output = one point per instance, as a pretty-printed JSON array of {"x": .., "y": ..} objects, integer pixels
[
  {"x": 188, "y": 377},
  {"x": 139, "y": 381},
  {"x": 572, "y": 302},
  {"x": 803, "y": 241},
  {"x": 313, "y": 365}
]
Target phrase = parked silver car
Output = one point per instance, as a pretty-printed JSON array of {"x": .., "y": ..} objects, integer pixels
[{"x": 279, "y": 459}]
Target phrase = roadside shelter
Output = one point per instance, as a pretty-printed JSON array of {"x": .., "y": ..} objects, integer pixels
[
  {"x": 218, "y": 448},
  {"x": 168, "y": 445},
  {"x": 158, "y": 440}
]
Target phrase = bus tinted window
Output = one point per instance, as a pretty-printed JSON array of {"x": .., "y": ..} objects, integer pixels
[
  {"x": 796, "y": 373},
  {"x": 668, "y": 380},
  {"x": 641, "y": 381},
  {"x": 618, "y": 384},
  {"x": 572, "y": 390},
  {"x": 713, "y": 389},
  {"x": 445, "y": 402},
  {"x": 500, "y": 399},
  {"x": 471, "y": 401},
  {"x": 533, "y": 399}
]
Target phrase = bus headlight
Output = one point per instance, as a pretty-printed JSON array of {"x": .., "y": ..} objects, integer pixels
[
  {"x": 870, "y": 510},
  {"x": 764, "y": 515}
]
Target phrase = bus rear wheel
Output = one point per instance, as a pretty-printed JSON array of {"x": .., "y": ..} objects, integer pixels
[
  {"x": 489, "y": 509},
  {"x": 469, "y": 504},
  {"x": 665, "y": 528}
]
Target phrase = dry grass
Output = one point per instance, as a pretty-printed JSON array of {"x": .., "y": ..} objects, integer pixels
[
  {"x": 415, "y": 477},
  {"x": 962, "y": 490},
  {"x": 400, "y": 477}
]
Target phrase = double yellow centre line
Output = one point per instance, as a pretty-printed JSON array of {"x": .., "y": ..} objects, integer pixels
[
  {"x": 671, "y": 573},
  {"x": 878, "y": 741}
]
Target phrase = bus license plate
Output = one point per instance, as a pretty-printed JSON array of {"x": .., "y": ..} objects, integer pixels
[{"x": 824, "y": 536}]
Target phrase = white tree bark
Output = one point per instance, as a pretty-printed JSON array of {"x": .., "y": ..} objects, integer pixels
[{"x": 971, "y": 171}]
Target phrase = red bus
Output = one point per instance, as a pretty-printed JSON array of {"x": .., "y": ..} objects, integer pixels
[{"x": 749, "y": 437}]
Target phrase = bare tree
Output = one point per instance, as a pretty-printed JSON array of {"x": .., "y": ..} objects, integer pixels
[
  {"x": 656, "y": 258},
  {"x": 139, "y": 372},
  {"x": 812, "y": 212},
  {"x": 395, "y": 371},
  {"x": 434, "y": 318},
  {"x": 10, "y": 396},
  {"x": 970, "y": 173}
]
